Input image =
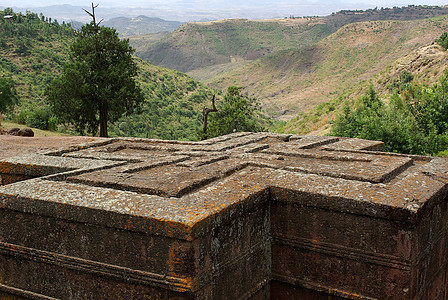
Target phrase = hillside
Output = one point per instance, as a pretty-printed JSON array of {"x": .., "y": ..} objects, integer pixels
[
  {"x": 427, "y": 64},
  {"x": 296, "y": 80},
  {"x": 197, "y": 45},
  {"x": 194, "y": 47},
  {"x": 142, "y": 42},
  {"x": 173, "y": 106},
  {"x": 33, "y": 51},
  {"x": 140, "y": 25}
]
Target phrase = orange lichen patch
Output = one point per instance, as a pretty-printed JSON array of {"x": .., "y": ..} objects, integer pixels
[
  {"x": 176, "y": 264},
  {"x": 345, "y": 294}
]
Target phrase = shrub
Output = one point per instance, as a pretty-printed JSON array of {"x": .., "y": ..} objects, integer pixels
[
  {"x": 53, "y": 123},
  {"x": 443, "y": 40},
  {"x": 38, "y": 118},
  {"x": 22, "y": 117},
  {"x": 415, "y": 126}
]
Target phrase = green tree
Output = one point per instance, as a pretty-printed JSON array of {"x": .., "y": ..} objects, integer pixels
[
  {"x": 8, "y": 94},
  {"x": 443, "y": 40},
  {"x": 361, "y": 122},
  {"x": 413, "y": 126},
  {"x": 237, "y": 113},
  {"x": 98, "y": 84},
  {"x": 406, "y": 77},
  {"x": 429, "y": 105}
]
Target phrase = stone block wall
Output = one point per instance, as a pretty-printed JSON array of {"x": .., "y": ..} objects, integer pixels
[{"x": 244, "y": 216}]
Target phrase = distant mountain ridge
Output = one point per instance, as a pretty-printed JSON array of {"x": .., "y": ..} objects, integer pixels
[
  {"x": 198, "y": 45},
  {"x": 141, "y": 25},
  {"x": 188, "y": 11}
]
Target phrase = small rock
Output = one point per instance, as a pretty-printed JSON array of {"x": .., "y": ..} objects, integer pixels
[
  {"x": 27, "y": 132},
  {"x": 13, "y": 131}
]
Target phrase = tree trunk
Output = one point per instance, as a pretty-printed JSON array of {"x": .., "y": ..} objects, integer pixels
[
  {"x": 205, "y": 113},
  {"x": 103, "y": 122}
]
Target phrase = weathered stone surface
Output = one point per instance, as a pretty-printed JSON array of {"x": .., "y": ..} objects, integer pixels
[{"x": 248, "y": 215}]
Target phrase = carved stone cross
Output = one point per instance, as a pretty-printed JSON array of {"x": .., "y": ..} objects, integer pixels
[{"x": 244, "y": 215}]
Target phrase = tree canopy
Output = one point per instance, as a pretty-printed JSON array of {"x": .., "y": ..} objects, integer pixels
[
  {"x": 443, "y": 40},
  {"x": 98, "y": 84},
  {"x": 8, "y": 94},
  {"x": 415, "y": 121},
  {"x": 236, "y": 113}
]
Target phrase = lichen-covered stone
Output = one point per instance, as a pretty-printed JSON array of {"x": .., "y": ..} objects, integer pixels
[{"x": 247, "y": 215}]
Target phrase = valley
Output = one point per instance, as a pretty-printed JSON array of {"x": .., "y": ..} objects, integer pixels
[
  {"x": 297, "y": 80},
  {"x": 294, "y": 64}
]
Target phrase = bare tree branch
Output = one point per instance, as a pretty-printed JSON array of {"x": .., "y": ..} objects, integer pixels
[
  {"x": 205, "y": 113},
  {"x": 92, "y": 14}
]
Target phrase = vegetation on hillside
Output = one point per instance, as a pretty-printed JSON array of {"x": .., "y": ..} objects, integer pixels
[
  {"x": 8, "y": 94},
  {"x": 443, "y": 40},
  {"x": 33, "y": 50},
  {"x": 405, "y": 13},
  {"x": 140, "y": 25},
  {"x": 173, "y": 101},
  {"x": 415, "y": 120},
  {"x": 172, "y": 108},
  {"x": 426, "y": 65}
]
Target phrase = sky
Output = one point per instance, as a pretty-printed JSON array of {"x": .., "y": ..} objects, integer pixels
[
  {"x": 191, "y": 10},
  {"x": 218, "y": 3}
]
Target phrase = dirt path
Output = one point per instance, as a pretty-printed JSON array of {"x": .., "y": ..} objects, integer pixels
[{"x": 16, "y": 145}]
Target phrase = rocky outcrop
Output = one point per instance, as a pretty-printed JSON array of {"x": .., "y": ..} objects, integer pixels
[{"x": 25, "y": 132}]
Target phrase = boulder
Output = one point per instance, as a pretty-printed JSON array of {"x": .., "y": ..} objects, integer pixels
[
  {"x": 26, "y": 132},
  {"x": 13, "y": 131}
]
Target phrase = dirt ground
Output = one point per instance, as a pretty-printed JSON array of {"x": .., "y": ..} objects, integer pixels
[{"x": 17, "y": 145}]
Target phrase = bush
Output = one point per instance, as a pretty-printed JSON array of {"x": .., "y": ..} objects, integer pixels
[
  {"x": 22, "y": 117},
  {"x": 38, "y": 118},
  {"x": 236, "y": 113},
  {"x": 417, "y": 125},
  {"x": 22, "y": 48},
  {"x": 53, "y": 123},
  {"x": 443, "y": 40},
  {"x": 3, "y": 43}
]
